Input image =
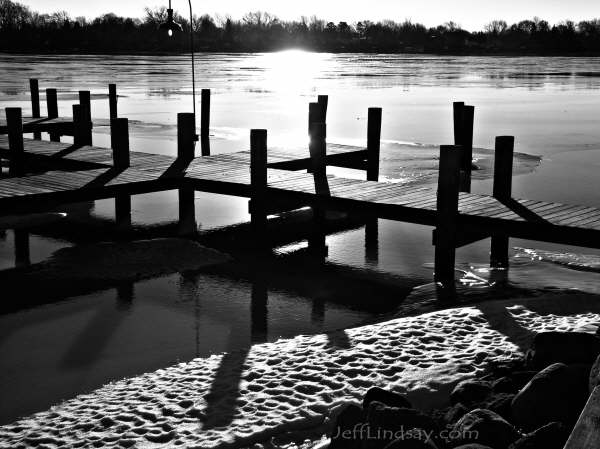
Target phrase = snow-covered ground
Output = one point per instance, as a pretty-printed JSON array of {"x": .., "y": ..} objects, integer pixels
[{"x": 293, "y": 386}]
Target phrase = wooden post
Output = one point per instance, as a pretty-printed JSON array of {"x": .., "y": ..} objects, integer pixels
[
  {"x": 186, "y": 135},
  {"x": 86, "y": 112},
  {"x": 323, "y": 100},
  {"x": 112, "y": 101},
  {"x": 119, "y": 142},
  {"x": 502, "y": 190},
  {"x": 205, "y": 114},
  {"x": 315, "y": 114},
  {"x": 258, "y": 181},
  {"x": 318, "y": 148},
  {"x": 14, "y": 123},
  {"x": 447, "y": 211},
  {"x": 187, "y": 211},
  {"x": 78, "y": 118},
  {"x": 457, "y": 113},
  {"x": 35, "y": 103},
  {"x": 373, "y": 143},
  {"x": 467, "y": 145},
  {"x": 52, "y": 105},
  {"x": 318, "y": 157}
]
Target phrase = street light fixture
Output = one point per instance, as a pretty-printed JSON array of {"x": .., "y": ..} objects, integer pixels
[{"x": 171, "y": 27}]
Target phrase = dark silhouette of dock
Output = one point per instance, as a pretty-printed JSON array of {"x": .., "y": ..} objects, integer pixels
[{"x": 45, "y": 174}]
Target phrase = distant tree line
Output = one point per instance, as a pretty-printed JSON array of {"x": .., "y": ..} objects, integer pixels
[{"x": 23, "y": 30}]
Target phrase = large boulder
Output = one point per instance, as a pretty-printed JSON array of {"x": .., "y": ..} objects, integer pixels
[
  {"x": 387, "y": 424},
  {"x": 344, "y": 433},
  {"x": 557, "y": 393},
  {"x": 485, "y": 427},
  {"x": 454, "y": 413},
  {"x": 594, "y": 380},
  {"x": 386, "y": 397},
  {"x": 551, "y": 436},
  {"x": 470, "y": 391},
  {"x": 501, "y": 404},
  {"x": 513, "y": 382},
  {"x": 564, "y": 347}
]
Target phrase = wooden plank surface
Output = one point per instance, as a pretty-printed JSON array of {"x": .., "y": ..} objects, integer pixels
[
  {"x": 586, "y": 434},
  {"x": 230, "y": 174}
]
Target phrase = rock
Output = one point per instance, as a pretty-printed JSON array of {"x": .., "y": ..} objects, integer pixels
[
  {"x": 384, "y": 421},
  {"x": 594, "y": 380},
  {"x": 343, "y": 433},
  {"x": 500, "y": 404},
  {"x": 386, "y": 397},
  {"x": 551, "y": 436},
  {"x": 470, "y": 391},
  {"x": 487, "y": 428},
  {"x": 564, "y": 347},
  {"x": 454, "y": 413},
  {"x": 513, "y": 382},
  {"x": 557, "y": 393}
]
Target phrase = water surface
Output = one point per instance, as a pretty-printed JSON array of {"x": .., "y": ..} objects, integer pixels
[{"x": 549, "y": 104}]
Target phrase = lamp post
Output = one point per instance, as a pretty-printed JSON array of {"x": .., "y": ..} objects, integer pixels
[{"x": 171, "y": 26}]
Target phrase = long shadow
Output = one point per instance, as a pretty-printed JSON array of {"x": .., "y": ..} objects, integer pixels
[
  {"x": 88, "y": 346},
  {"x": 225, "y": 389},
  {"x": 522, "y": 211},
  {"x": 177, "y": 168}
]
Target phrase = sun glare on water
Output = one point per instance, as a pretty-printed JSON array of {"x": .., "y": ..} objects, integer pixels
[{"x": 293, "y": 70}]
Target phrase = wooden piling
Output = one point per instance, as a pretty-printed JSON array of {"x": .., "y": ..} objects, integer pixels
[
  {"x": 318, "y": 152},
  {"x": 52, "y": 107},
  {"x": 458, "y": 113},
  {"x": 315, "y": 114},
  {"x": 119, "y": 142},
  {"x": 86, "y": 112},
  {"x": 466, "y": 162},
  {"x": 373, "y": 143},
  {"x": 14, "y": 123},
  {"x": 323, "y": 100},
  {"x": 186, "y": 135},
  {"x": 35, "y": 103},
  {"x": 502, "y": 190},
  {"x": 447, "y": 214},
  {"x": 78, "y": 120},
  {"x": 52, "y": 103},
  {"x": 318, "y": 157},
  {"x": 205, "y": 115},
  {"x": 258, "y": 181},
  {"x": 112, "y": 101}
]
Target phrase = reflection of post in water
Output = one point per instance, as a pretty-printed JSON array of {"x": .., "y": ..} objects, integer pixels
[
  {"x": 317, "y": 313},
  {"x": 188, "y": 290},
  {"x": 372, "y": 240},
  {"x": 22, "y": 257},
  {"x": 259, "y": 313},
  {"x": 125, "y": 294}
]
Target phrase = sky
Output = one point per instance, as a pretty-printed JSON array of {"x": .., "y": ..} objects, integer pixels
[{"x": 470, "y": 14}]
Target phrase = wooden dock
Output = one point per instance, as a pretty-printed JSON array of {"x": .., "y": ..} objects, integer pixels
[{"x": 45, "y": 174}]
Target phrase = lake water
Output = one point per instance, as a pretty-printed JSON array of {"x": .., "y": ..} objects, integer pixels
[{"x": 550, "y": 104}]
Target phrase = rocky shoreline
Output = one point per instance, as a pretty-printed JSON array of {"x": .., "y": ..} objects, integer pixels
[{"x": 530, "y": 403}]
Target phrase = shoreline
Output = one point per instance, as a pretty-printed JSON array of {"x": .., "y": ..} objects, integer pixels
[{"x": 293, "y": 387}]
